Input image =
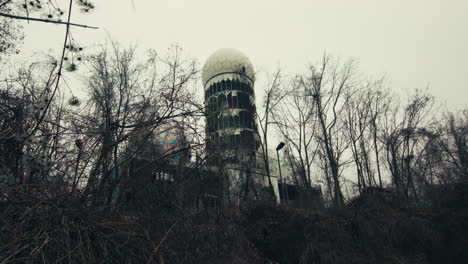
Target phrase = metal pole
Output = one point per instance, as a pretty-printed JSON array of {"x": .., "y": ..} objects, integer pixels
[{"x": 280, "y": 176}]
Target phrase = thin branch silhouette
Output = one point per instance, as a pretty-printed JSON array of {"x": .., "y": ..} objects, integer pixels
[{"x": 46, "y": 20}]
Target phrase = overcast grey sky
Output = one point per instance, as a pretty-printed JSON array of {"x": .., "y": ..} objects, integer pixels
[{"x": 414, "y": 43}]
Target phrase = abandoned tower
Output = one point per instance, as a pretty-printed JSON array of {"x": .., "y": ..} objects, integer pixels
[{"x": 232, "y": 142}]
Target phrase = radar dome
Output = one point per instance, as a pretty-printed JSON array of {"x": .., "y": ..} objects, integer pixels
[{"x": 227, "y": 61}]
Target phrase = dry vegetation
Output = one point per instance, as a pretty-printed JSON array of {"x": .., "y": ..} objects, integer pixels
[
  {"x": 84, "y": 178},
  {"x": 373, "y": 228}
]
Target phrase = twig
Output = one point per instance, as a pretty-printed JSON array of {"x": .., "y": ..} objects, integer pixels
[
  {"x": 163, "y": 239},
  {"x": 59, "y": 73},
  {"x": 5, "y": 3},
  {"x": 46, "y": 20}
]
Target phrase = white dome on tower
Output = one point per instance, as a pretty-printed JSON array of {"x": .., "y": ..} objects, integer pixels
[{"x": 227, "y": 60}]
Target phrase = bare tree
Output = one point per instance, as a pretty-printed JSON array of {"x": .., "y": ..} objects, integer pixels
[
  {"x": 379, "y": 109},
  {"x": 364, "y": 110},
  {"x": 311, "y": 120},
  {"x": 406, "y": 136},
  {"x": 128, "y": 97},
  {"x": 296, "y": 122},
  {"x": 25, "y": 93},
  {"x": 329, "y": 85},
  {"x": 272, "y": 98},
  {"x": 448, "y": 156}
]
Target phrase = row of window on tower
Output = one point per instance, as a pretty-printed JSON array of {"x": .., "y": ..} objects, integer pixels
[
  {"x": 245, "y": 139},
  {"x": 235, "y": 159},
  {"x": 228, "y": 86},
  {"x": 243, "y": 120},
  {"x": 231, "y": 100}
]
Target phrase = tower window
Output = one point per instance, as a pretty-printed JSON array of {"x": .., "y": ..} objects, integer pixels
[
  {"x": 236, "y": 121},
  {"x": 235, "y": 103},
  {"x": 223, "y": 101},
  {"x": 229, "y": 99},
  {"x": 221, "y": 87},
  {"x": 237, "y": 139}
]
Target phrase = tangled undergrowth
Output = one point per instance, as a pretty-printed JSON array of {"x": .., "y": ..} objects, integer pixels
[{"x": 373, "y": 228}]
